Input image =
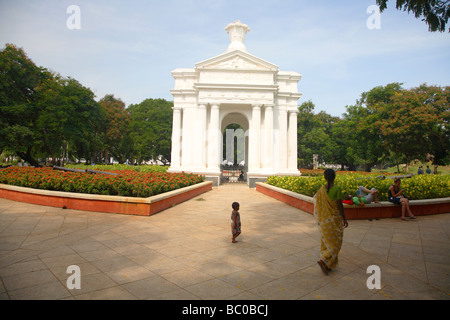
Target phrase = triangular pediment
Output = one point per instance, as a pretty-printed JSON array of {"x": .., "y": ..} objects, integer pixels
[{"x": 236, "y": 60}]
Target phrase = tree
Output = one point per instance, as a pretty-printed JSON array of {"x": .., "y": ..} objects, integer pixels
[
  {"x": 151, "y": 129},
  {"x": 435, "y": 12},
  {"x": 117, "y": 127},
  {"x": 414, "y": 122},
  {"x": 19, "y": 78},
  {"x": 314, "y": 135},
  {"x": 42, "y": 113}
]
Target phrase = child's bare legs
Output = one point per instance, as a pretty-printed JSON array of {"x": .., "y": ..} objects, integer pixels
[{"x": 235, "y": 236}]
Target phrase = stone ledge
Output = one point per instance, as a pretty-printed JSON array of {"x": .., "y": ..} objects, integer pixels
[
  {"x": 384, "y": 209},
  {"x": 101, "y": 203}
]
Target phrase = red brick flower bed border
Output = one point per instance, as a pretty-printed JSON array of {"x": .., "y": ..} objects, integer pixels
[{"x": 99, "y": 203}]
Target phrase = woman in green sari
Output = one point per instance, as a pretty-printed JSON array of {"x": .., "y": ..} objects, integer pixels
[{"x": 331, "y": 221}]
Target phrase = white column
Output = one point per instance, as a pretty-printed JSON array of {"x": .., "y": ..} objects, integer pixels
[
  {"x": 292, "y": 140},
  {"x": 201, "y": 136},
  {"x": 254, "y": 141},
  {"x": 268, "y": 131},
  {"x": 282, "y": 122},
  {"x": 176, "y": 137},
  {"x": 213, "y": 141}
]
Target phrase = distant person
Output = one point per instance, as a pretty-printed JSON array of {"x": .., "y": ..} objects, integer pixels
[
  {"x": 428, "y": 170},
  {"x": 235, "y": 222},
  {"x": 420, "y": 170},
  {"x": 396, "y": 196},
  {"x": 331, "y": 220},
  {"x": 435, "y": 169}
]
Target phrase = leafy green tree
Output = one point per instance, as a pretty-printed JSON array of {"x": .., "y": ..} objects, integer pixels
[
  {"x": 19, "y": 78},
  {"x": 151, "y": 129},
  {"x": 413, "y": 124},
  {"x": 314, "y": 135},
  {"x": 43, "y": 114},
  {"x": 435, "y": 12},
  {"x": 117, "y": 127}
]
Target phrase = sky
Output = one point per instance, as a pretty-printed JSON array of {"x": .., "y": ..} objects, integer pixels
[{"x": 129, "y": 48}]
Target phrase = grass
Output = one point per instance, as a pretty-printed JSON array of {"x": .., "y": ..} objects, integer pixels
[{"x": 443, "y": 170}]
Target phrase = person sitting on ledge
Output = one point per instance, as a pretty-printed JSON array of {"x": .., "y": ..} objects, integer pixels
[{"x": 396, "y": 196}]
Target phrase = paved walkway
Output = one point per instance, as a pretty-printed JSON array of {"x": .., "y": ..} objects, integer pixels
[{"x": 186, "y": 253}]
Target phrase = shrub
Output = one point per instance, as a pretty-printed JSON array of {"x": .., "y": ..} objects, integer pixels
[{"x": 417, "y": 187}]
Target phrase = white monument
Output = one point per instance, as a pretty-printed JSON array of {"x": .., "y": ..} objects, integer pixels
[{"x": 235, "y": 87}]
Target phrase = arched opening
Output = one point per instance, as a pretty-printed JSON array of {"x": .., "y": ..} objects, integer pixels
[{"x": 234, "y": 151}]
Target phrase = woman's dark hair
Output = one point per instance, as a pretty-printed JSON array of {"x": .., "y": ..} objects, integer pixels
[
  {"x": 329, "y": 175},
  {"x": 235, "y": 205}
]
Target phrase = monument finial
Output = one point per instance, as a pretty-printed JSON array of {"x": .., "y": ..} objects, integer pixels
[{"x": 237, "y": 31}]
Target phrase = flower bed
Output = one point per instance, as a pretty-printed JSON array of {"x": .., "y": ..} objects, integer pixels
[
  {"x": 416, "y": 188},
  {"x": 129, "y": 183}
]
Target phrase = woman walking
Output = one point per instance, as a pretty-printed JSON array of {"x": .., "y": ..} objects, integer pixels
[{"x": 331, "y": 221}]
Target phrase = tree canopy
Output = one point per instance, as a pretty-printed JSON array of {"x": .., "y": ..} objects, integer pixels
[
  {"x": 435, "y": 12},
  {"x": 44, "y": 115}
]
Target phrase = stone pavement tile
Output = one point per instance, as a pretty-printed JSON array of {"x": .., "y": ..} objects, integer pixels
[
  {"x": 245, "y": 279},
  {"x": 22, "y": 267},
  {"x": 111, "y": 293},
  {"x": 277, "y": 290},
  {"x": 161, "y": 264},
  {"x": 176, "y": 250},
  {"x": 60, "y": 271},
  {"x": 177, "y": 294},
  {"x": 351, "y": 286},
  {"x": 214, "y": 289},
  {"x": 28, "y": 279},
  {"x": 129, "y": 274},
  {"x": 413, "y": 267},
  {"x": 63, "y": 260},
  {"x": 88, "y": 245},
  {"x": 440, "y": 280},
  {"x": 9, "y": 257},
  {"x": 98, "y": 254},
  {"x": 93, "y": 282},
  {"x": 53, "y": 290},
  {"x": 219, "y": 268},
  {"x": 113, "y": 263},
  {"x": 187, "y": 277},
  {"x": 149, "y": 288}
]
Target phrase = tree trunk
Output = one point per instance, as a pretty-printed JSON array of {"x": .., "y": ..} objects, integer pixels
[{"x": 29, "y": 158}]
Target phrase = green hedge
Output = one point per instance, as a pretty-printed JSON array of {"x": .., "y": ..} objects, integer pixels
[{"x": 418, "y": 187}]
